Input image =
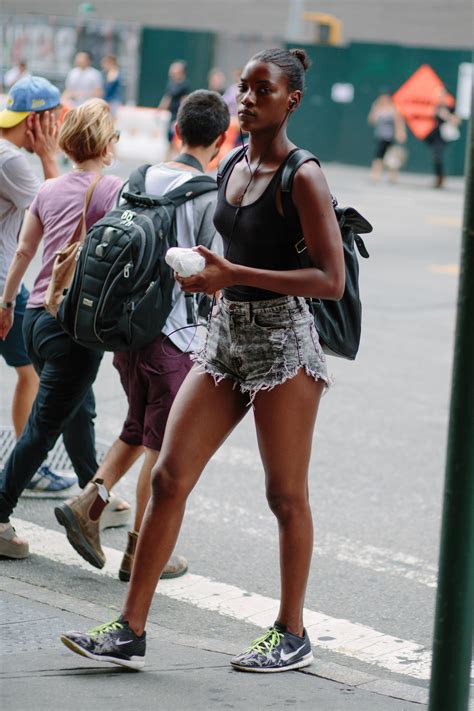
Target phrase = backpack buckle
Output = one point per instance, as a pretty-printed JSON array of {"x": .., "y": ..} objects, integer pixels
[{"x": 300, "y": 246}]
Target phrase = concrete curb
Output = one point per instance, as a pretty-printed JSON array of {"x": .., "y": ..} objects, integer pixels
[{"x": 331, "y": 671}]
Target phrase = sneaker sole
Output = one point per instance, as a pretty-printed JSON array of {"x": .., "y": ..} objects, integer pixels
[
  {"x": 13, "y": 551},
  {"x": 114, "y": 518},
  {"x": 62, "y": 494},
  {"x": 66, "y": 518},
  {"x": 303, "y": 662},
  {"x": 125, "y": 575},
  {"x": 128, "y": 663}
]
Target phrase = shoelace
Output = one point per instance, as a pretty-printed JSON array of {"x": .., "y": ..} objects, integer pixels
[
  {"x": 267, "y": 642},
  {"x": 108, "y": 627}
]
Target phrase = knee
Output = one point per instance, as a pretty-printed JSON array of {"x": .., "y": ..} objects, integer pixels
[
  {"x": 167, "y": 484},
  {"x": 288, "y": 505}
]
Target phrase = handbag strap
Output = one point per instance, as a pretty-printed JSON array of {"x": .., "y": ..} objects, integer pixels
[{"x": 80, "y": 231}]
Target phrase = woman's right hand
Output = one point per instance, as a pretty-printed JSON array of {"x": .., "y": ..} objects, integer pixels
[
  {"x": 216, "y": 275},
  {"x": 42, "y": 133},
  {"x": 6, "y": 322}
]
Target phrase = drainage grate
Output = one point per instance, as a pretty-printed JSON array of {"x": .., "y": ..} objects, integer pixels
[{"x": 58, "y": 458}]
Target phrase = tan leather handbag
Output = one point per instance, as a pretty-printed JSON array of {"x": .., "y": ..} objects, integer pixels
[{"x": 65, "y": 262}]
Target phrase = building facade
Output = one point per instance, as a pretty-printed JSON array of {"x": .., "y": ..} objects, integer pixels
[{"x": 429, "y": 23}]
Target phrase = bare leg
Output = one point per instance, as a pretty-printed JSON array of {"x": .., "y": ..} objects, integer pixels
[
  {"x": 23, "y": 397},
  {"x": 117, "y": 462},
  {"x": 377, "y": 168},
  {"x": 285, "y": 418},
  {"x": 144, "y": 486},
  {"x": 202, "y": 416}
]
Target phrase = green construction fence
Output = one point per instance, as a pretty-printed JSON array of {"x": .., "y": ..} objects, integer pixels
[
  {"x": 340, "y": 132},
  {"x": 334, "y": 131},
  {"x": 159, "y": 48}
]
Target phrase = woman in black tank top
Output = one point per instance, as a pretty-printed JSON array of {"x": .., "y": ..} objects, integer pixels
[{"x": 261, "y": 348}]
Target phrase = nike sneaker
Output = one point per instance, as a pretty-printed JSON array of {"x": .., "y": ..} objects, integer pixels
[
  {"x": 277, "y": 650},
  {"x": 114, "y": 642}
]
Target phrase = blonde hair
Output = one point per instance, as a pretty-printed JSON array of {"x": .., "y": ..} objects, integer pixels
[{"x": 86, "y": 130}]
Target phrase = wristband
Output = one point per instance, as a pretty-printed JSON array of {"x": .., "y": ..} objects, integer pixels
[{"x": 7, "y": 304}]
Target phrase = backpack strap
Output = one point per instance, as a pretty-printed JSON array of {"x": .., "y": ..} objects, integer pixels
[
  {"x": 293, "y": 163},
  {"x": 192, "y": 188},
  {"x": 347, "y": 217},
  {"x": 136, "y": 181},
  {"x": 135, "y": 184},
  {"x": 197, "y": 185},
  {"x": 228, "y": 162}
]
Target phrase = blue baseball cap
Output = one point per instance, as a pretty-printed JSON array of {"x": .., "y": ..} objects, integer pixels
[{"x": 29, "y": 94}]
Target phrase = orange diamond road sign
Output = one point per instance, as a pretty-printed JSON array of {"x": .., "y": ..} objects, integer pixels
[{"x": 417, "y": 98}]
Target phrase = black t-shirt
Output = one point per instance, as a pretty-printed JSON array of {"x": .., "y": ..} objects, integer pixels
[{"x": 176, "y": 90}]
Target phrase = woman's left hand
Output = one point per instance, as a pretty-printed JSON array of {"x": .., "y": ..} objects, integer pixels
[{"x": 216, "y": 275}]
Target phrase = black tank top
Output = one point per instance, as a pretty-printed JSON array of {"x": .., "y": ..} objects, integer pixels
[{"x": 260, "y": 238}]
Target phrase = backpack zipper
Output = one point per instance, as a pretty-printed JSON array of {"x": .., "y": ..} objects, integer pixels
[
  {"x": 89, "y": 246},
  {"x": 123, "y": 273},
  {"x": 151, "y": 258},
  {"x": 106, "y": 289}
]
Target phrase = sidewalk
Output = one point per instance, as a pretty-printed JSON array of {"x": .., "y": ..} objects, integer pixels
[
  {"x": 183, "y": 669},
  {"x": 182, "y": 672}
]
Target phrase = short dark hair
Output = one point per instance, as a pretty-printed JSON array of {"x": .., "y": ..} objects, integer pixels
[
  {"x": 202, "y": 117},
  {"x": 293, "y": 63}
]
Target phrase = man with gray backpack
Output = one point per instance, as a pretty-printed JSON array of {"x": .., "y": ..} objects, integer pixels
[{"x": 148, "y": 333}]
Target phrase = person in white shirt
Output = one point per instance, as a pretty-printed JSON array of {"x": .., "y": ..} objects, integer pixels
[
  {"x": 29, "y": 122},
  {"x": 82, "y": 82},
  {"x": 14, "y": 74},
  {"x": 152, "y": 376}
]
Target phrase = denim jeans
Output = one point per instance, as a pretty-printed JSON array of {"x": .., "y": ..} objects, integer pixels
[
  {"x": 64, "y": 405},
  {"x": 260, "y": 344},
  {"x": 437, "y": 146}
]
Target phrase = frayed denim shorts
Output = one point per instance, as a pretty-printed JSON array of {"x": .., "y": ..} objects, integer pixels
[{"x": 260, "y": 344}]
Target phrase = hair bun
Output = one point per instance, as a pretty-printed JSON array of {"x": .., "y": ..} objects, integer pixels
[{"x": 302, "y": 56}]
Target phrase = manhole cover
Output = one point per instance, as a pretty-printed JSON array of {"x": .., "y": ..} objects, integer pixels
[{"x": 58, "y": 458}]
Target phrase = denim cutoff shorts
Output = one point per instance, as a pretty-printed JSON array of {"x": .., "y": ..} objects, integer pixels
[{"x": 260, "y": 344}]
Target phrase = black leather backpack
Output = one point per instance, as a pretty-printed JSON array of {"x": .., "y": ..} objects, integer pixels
[{"x": 338, "y": 323}]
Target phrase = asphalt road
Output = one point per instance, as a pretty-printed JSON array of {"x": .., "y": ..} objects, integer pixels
[{"x": 378, "y": 462}]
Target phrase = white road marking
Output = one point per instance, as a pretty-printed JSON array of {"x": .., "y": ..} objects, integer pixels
[
  {"x": 378, "y": 559},
  {"x": 444, "y": 220},
  {"x": 338, "y": 635},
  {"x": 444, "y": 269}
]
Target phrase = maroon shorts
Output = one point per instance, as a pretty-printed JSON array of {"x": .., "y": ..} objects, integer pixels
[{"x": 151, "y": 377}]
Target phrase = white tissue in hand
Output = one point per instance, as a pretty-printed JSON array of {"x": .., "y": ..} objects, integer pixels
[{"x": 185, "y": 262}]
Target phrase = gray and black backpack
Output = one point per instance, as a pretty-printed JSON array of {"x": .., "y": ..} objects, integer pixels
[{"x": 121, "y": 293}]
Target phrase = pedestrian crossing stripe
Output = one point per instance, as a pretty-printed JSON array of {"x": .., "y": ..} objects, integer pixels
[{"x": 444, "y": 268}]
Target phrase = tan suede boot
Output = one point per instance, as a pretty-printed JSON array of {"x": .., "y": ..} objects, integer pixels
[
  {"x": 125, "y": 569},
  {"x": 80, "y": 517},
  {"x": 176, "y": 566}
]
